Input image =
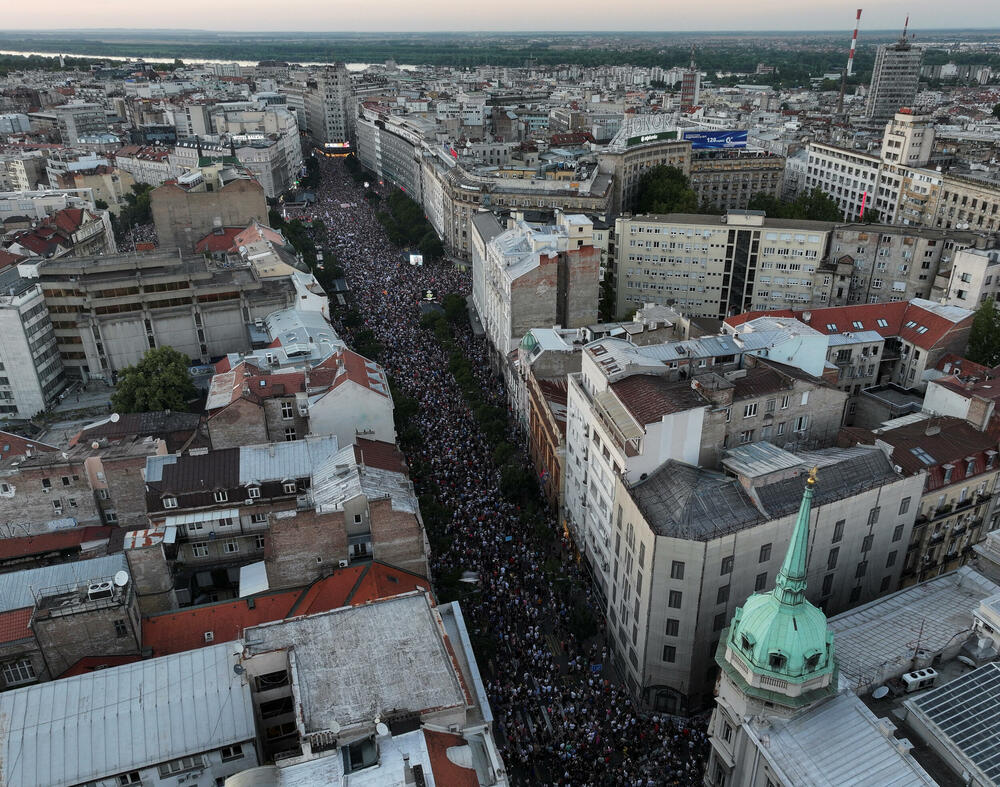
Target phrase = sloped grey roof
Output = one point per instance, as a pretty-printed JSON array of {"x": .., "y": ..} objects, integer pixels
[{"x": 682, "y": 501}]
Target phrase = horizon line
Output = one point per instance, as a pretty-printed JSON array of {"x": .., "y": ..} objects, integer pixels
[{"x": 605, "y": 31}]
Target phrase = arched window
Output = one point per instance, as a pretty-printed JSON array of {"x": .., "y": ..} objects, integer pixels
[{"x": 776, "y": 660}]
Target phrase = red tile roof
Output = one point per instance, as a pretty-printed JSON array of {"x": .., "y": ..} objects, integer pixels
[
  {"x": 28, "y": 546},
  {"x": 6, "y": 258},
  {"x": 93, "y": 663},
  {"x": 905, "y": 319},
  {"x": 376, "y": 453},
  {"x": 15, "y": 445},
  {"x": 173, "y": 632},
  {"x": 353, "y": 368},
  {"x": 445, "y": 771},
  {"x": 649, "y": 397},
  {"x": 14, "y": 625},
  {"x": 221, "y": 241}
]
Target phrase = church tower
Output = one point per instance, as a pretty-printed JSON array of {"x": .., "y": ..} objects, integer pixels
[{"x": 777, "y": 657}]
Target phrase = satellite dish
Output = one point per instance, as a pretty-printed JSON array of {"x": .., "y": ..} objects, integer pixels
[
  {"x": 381, "y": 730},
  {"x": 238, "y": 669},
  {"x": 115, "y": 418},
  {"x": 121, "y": 579},
  {"x": 880, "y": 693},
  {"x": 95, "y": 445}
]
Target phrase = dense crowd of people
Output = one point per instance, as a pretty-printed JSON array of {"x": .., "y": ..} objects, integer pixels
[{"x": 560, "y": 717}]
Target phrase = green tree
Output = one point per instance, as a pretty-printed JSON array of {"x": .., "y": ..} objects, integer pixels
[
  {"x": 665, "y": 190},
  {"x": 984, "y": 338},
  {"x": 996, "y": 110},
  {"x": 160, "y": 381}
]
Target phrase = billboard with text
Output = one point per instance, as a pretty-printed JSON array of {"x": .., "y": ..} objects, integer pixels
[{"x": 716, "y": 140}]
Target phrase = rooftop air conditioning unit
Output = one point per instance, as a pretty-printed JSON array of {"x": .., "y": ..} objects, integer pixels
[
  {"x": 342, "y": 563},
  {"x": 99, "y": 590}
]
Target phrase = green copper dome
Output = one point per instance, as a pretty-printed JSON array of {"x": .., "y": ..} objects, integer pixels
[
  {"x": 780, "y": 635},
  {"x": 529, "y": 342}
]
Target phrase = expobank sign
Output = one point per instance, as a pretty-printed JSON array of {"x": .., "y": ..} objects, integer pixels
[
  {"x": 642, "y": 139},
  {"x": 715, "y": 140}
]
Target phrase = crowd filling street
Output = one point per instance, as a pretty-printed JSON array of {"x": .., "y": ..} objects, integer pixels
[{"x": 561, "y": 716}]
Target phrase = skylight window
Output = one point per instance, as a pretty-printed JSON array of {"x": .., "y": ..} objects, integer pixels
[{"x": 922, "y": 455}]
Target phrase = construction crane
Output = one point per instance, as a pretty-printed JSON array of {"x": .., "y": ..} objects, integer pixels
[{"x": 849, "y": 71}]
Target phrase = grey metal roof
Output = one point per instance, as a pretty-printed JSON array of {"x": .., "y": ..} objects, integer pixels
[
  {"x": 838, "y": 743},
  {"x": 340, "y": 478},
  {"x": 291, "y": 459},
  {"x": 845, "y": 472},
  {"x": 757, "y": 459},
  {"x": 94, "y": 726},
  {"x": 966, "y": 715},
  {"x": 16, "y": 587},
  {"x": 682, "y": 501}
]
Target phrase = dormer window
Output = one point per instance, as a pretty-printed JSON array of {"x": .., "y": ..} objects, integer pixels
[
  {"x": 253, "y": 492},
  {"x": 776, "y": 660},
  {"x": 221, "y": 496},
  {"x": 746, "y": 643},
  {"x": 991, "y": 458},
  {"x": 812, "y": 661},
  {"x": 170, "y": 502},
  {"x": 947, "y": 473},
  {"x": 290, "y": 487},
  {"x": 970, "y": 466}
]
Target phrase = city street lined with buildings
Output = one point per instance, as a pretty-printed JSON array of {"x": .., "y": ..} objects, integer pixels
[{"x": 561, "y": 718}]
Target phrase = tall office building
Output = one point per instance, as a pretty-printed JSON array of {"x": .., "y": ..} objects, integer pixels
[
  {"x": 690, "y": 85},
  {"x": 327, "y": 105},
  {"x": 894, "y": 80}
]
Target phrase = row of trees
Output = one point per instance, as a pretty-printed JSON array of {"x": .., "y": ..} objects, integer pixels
[{"x": 407, "y": 226}]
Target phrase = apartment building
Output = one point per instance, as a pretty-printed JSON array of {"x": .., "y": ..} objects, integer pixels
[
  {"x": 895, "y": 77},
  {"x": 711, "y": 266},
  {"x": 107, "y": 311},
  {"x": 691, "y": 545},
  {"x": 328, "y": 105},
  {"x": 918, "y": 333},
  {"x": 31, "y": 370},
  {"x": 631, "y": 408},
  {"x": 727, "y": 179},
  {"x": 536, "y": 276},
  {"x": 974, "y": 276},
  {"x": 892, "y": 263},
  {"x": 642, "y": 142},
  {"x": 145, "y": 163},
  {"x": 78, "y": 119},
  {"x": 959, "y": 468}
]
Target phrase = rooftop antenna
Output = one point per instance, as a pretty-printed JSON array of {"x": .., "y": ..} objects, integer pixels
[
  {"x": 906, "y": 24},
  {"x": 850, "y": 65},
  {"x": 692, "y": 58}
]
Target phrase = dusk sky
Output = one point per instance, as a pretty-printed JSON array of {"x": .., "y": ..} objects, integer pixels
[{"x": 521, "y": 15}]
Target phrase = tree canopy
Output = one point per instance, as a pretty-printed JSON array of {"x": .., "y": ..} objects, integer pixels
[
  {"x": 984, "y": 338},
  {"x": 665, "y": 190},
  {"x": 813, "y": 205},
  {"x": 160, "y": 381}
]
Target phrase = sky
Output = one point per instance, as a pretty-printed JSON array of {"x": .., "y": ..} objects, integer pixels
[{"x": 507, "y": 15}]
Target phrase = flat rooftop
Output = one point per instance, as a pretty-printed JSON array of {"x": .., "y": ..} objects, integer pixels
[{"x": 356, "y": 663}]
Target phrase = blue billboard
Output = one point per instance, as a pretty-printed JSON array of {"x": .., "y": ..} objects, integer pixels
[{"x": 716, "y": 140}]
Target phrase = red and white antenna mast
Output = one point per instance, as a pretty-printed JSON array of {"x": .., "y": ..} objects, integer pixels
[{"x": 854, "y": 43}]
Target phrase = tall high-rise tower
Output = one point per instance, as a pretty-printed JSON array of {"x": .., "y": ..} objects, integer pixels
[
  {"x": 690, "y": 85},
  {"x": 894, "y": 79}
]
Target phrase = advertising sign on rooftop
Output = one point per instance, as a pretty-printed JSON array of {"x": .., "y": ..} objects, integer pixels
[
  {"x": 716, "y": 140},
  {"x": 642, "y": 139}
]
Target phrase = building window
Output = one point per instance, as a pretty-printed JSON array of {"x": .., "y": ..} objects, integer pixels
[
  {"x": 720, "y": 622},
  {"x": 253, "y": 492},
  {"x": 180, "y": 765},
  {"x": 723, "y": 595},
  {"x": 861, "y": 570},
  {"x": 727, "y": 566},
  {"x": 769, "y": 407},
  {"x": 673, "y": 627},
  {"x": 17, "y": 672},
  {"x": 765, "y": 553},
  {"x": 897, "y": 533},
  {"x": 855, "y": 594},
  {"x": 890, "y": 559},
  {"x": 65, "y": 480},
  {"x": 750, "y": 410},
  {"x": 234, "y": 752},
  {"x": 221, "y": 496},
  {"x": 287, "y": 410},
  {"x": 126, "y": 779},
  {"x": 46, "y": 483},
  {"x": 199, "y": 549},
  {"x": 784, "y": 402},
  {"x": 674, "y": 599},
  {"x": 669, "y": 654},
  {"x": 289, "y": 434},
  {"x": 290, "y": 488},
  {"x": 760, "y": 582},
  {"x": 746, "y": 437},
  {"x": 886, "y": 581},
  {"x": 110, "y": 516},
  {"x": 677, "y": 570},
  {"x": 827, "y": 585},
  {"x": 866, "y": 545},
  {"x": 258, "y": 518},
  {"x": 831, "y": 559},
  {"x": 121, "y": 630},
  {"x": 170, "y": 502},
  {"x": 231, "y": 546},
  {"x": 801, "y": 423},
  {"x": 727, "y": 732},
  {"x": 904, "y": 505},
  {"x": 781, "y": 428},
  {"x": 874, "y": 514},
  {"x": 838, "y": 531},
  {"x": 259, "y": 541}
]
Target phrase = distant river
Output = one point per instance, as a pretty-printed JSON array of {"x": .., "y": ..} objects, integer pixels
[{"x": 192, "y": 61}]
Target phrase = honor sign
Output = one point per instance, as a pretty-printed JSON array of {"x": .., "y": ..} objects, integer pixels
[{"x": 642, "y": 139}]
